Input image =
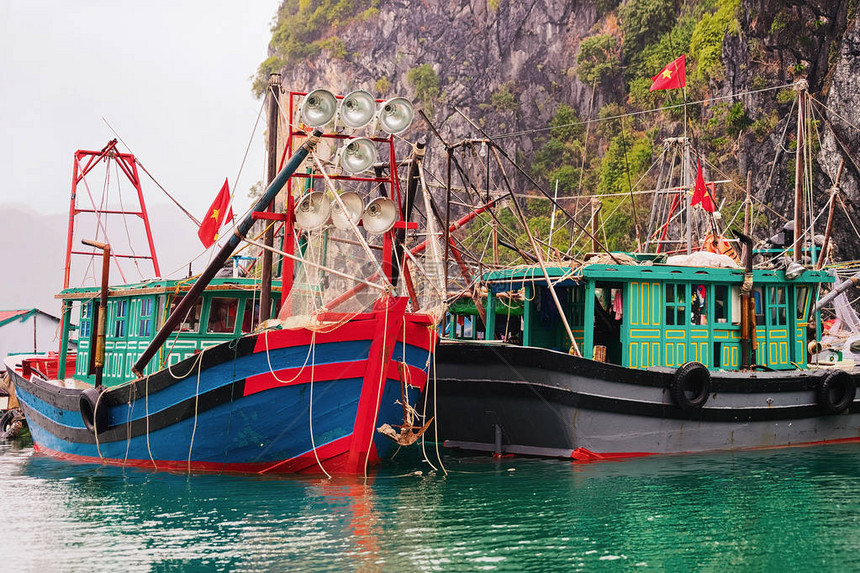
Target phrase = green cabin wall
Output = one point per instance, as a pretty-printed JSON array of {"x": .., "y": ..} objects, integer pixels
[
  {"x": 659, "y": 328},
  {"x": 133, "y": 321}
]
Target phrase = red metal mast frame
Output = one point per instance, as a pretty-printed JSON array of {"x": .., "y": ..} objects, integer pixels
[
  {"x": 297, "y": 134},
  {"x": 86, "y": 161}
]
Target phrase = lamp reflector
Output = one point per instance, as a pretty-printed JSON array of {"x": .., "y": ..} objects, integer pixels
[
  {"x": 357, "y": 154},
  {"x": 379, "y": 216},
  {"x": 312, "y": 211},
  {"x": 794, "y": 270},
  {"x": 357, "y": 109},
  {"x": 354, "y": 209},
  {"x": 395, "y": 115},
  {"x": 318, "y": 108}
]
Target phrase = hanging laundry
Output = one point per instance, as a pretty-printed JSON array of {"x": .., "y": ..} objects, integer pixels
[{"x": 617, "y": 305}]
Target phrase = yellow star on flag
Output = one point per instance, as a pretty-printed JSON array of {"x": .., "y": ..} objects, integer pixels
[
  {"x": 215, "y": 214},
  {"x": 671, "y": 77}
]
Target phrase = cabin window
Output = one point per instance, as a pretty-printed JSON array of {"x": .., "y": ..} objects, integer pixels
[
  {"x": 676, "y": 304},
  {"x": 222, "y": 315},
  {"x": 191, "y": 321},
  {"x": 249, "y": 318},
  {"x": 721, "y": 303},
  {"x": 699, "y": 306},
  {"x": 801, "y": 293},
  {"x": 479, "y": 330},
  {"x": 736, "y": 305},
  {"x": 121, "y": 308},
  {"x": 86, "y": 319},
  {"x": 777, "y": 306},
  {"x": 144, "y": 326},
  {"x": 464, "y": 327},
  {"x": 758, "y": 299},
  {"x": 577, "y": 305}
]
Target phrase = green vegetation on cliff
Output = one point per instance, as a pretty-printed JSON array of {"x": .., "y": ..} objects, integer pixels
[
  {"x": 303, "y": 29},
  {"x": 652, "y": 34},
  {"x": 426, "y": 83}
]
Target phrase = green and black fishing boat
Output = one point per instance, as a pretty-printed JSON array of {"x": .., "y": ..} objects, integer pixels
[{"x": 620, "y": 354}]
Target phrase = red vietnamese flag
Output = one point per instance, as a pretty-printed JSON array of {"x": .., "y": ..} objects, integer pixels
[
  {"x": 208, "y": 231},
  {"x": 673, "y": 76},
  {"x": 708, "y": 200},
  {"x": 700, "y": 191}
]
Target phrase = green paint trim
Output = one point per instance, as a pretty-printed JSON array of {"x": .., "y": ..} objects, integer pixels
[{"x": 655, "y": 272}]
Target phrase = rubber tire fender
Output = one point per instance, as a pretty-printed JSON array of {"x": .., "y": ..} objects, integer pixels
[
  {"x": 8, "y": 430},
  {"x": 690, "y": 386},
  {"x": 6, "y": 420},
  {"x": 836, "y": 392},
  {"x": 94, "y": 418}
]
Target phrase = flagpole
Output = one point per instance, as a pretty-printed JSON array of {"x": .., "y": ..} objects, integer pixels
[{"x": 687, "y": 177}]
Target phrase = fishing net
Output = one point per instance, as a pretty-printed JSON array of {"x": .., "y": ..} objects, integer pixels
[
  {"x": 343, "y": 271},
  {"x": 845, "y": 314}
]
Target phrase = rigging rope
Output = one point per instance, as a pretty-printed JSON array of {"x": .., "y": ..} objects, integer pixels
[{"x": 637, "y": 113}]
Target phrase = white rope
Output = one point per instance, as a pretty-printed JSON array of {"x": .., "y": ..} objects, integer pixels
[
  {"x": 148, "y": 446},
  {"x": 436, "y": 425},
  {"x": 96, "y": 423},
  {"x": 380, "y": 386},
  {"x": 637, "y": 113},
  {"x": 353, "y": 227},
  {"x": 311, "y": 408},
  {"x": 196, "y": 409},
  {"x": 299, "y": 373}
]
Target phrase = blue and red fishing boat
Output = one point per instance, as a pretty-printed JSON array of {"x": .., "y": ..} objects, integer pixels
[{"x": 194, "y": 376}]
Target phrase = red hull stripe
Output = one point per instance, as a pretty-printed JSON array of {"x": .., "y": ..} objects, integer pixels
[
  {"x": 332, "y": 457},
  {"x": 586, "y": 455},
  {"x": 417, "y": 333},
  {"x": 414, "y": 376},
  {"x": 287, "y": 338},
  {"x": 327, "y": 372},
  {"x": 304, "y": 375},
  {"x": 422, "y": 320}
]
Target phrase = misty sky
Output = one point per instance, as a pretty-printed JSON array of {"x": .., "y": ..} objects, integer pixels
[{"x": 171, "y": 77}]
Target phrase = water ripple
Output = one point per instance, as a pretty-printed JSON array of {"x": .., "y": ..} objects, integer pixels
[{"x": 781, "y": 509}]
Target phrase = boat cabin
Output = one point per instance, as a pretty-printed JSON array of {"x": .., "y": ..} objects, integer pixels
[
  {"x": 228, "y": 308},
  {"x": 640, "y": 316}
]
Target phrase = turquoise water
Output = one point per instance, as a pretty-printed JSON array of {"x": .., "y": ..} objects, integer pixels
[{"x": 791, "y": 509}]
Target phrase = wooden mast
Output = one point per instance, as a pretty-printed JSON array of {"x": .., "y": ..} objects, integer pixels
[{"x": 273, "y": 92}]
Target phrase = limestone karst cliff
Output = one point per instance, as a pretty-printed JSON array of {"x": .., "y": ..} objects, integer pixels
[{"x": 512, "y": 66}]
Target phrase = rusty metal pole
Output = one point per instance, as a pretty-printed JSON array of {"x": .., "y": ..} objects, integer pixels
[
  {"x": 273, "y": 92},
  {"x": 447, "y": 220},
  {"x": 798, "y": 170},
  {"x": 100, "y": 335},
  {"x": 747, "y": 212},
  {"x": 747, "y": 304}
]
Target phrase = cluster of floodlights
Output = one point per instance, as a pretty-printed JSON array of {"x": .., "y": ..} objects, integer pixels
[
  {"x": 316, "y": 210},
  {"x": 357, "y": 110}
]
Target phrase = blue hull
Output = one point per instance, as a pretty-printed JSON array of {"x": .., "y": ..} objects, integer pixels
[{"x": 227, "y": 410}]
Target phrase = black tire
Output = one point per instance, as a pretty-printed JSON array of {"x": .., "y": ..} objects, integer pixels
[
  {"x": 690, "y": 386},
  {"x": 836, "y": 392},
  {"x": 93, "y": 413},
  {"x": 6, "y": 420},
  {"x": 12, "y": 423}
]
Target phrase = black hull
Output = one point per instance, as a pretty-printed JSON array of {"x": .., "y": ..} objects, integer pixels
[{"x": 511, "y": 399}]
